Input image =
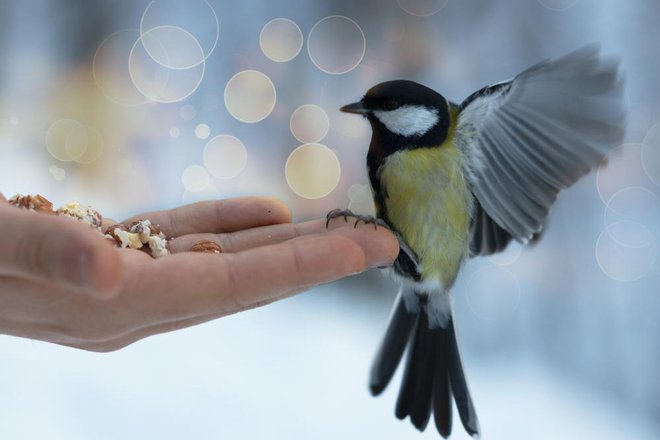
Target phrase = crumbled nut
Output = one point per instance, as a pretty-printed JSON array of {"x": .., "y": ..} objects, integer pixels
[
  {"x": 84, "y": 213},
  {"x": 34, "y": 203},
  {"x": 158, "y": 246},
  {"x": 155, "y": 229},
  {"x": 110, "y": 232},
  {"x": 142, "y": 228},
  {"x": 206, "y": 246},
  {"x": 123, "y": 237},
  {"x": 136, "y": 236}
]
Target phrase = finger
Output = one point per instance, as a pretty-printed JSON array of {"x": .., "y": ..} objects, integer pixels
[
  {"x": 229, "y": 283},
  {"x": 2, "y": 198},
  {"x": 219, "y": 216},
  {"x": 254, "y": 237},
  {"x": 58, "y": 250},
  {"x": 127, "y": 338},
  {"x": 107, "y": 222}
]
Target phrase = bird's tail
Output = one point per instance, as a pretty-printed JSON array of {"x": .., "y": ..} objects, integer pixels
[{"x": 434, "y": 371}]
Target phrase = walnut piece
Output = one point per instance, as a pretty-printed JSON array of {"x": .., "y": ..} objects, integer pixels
[
  {"x": 207, "y": 246},
  {"x": 34, "y": 203}
]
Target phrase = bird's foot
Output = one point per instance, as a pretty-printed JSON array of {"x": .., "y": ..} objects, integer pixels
[
  {"x": 346, "y": 213},
  {"x": 370, "y": 219}
]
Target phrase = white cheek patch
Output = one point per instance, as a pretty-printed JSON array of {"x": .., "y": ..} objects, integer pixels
[{"x": 409, "y": 120}]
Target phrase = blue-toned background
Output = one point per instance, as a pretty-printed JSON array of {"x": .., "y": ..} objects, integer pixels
[{"x": 560, "y": 340}]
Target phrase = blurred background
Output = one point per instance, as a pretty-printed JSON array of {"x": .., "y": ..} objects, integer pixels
[{"x": 135, "y": 105}]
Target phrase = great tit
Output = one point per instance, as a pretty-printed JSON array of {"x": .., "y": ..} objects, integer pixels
[{"x": 454, "y": 181}]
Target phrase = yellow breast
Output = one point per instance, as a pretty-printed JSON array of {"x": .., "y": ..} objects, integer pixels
[{"x": 427, "y": 201}]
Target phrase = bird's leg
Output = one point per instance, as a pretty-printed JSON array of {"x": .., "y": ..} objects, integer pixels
[{"x": 370, "y": 219}]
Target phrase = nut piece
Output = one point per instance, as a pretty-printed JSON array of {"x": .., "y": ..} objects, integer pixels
[
  {"x": 142, "y": 228},
  {"x": 34, "y": 203},
  {"x": 123, "y": 237},
  {"x": 207, "y": 247},
  {"x": 158, "y": 245},
  {"x": 110, "y": 232},
  {"x": 135, "y": 236},
  {"x": 85, "y": 213}
]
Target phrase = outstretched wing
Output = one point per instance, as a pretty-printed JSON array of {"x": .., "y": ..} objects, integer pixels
[{"x": 528, "y": 138}]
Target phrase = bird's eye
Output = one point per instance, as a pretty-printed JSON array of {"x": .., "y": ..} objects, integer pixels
[{"x": 391, "y": 105}]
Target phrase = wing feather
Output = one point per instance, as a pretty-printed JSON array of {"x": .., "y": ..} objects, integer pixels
[{"x": 526, "y": 139}]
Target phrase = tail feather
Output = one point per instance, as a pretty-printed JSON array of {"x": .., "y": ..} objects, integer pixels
[
  {"x": 391, "y": 350},
  {"x": 415, "y": 394},
  {"x": 433, "y": 372},
  {"x": 459, "y": 384},
  {"x": 442, "y": 404}
]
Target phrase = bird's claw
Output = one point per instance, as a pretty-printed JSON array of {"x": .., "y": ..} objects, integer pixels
[{"x": 366, "y": 219}]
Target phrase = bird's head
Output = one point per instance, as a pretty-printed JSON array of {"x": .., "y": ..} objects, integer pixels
[{"x": 404, "y": 114}]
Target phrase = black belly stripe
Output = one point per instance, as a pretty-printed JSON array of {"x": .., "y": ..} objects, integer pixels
[{"x": 405, "y": 267}]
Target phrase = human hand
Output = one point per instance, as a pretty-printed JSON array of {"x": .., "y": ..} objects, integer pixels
[{"x": 61, "y": 282}]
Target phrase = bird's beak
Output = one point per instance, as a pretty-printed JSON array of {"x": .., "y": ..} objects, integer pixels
[{"x": 357, "y": 107}]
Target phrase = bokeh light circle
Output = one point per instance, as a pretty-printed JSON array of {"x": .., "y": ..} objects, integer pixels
[
  {"x": 336, "y": 44},
  {"x": 93, "y": 148},
  {"x": 309, "y": 123},
  {"x": 557, "y": 5},
  {"x": 174, "y": 132},
  {"x": 202, "y": 131},
  {"x": 66, "y": 140},
  {"x": 197, "y": 17},
  {"x": 492, "y": 293},
  {"x": 250, "y": 96},
  {"x": 225, "y": 156},
  {"x": 630, "y": 207},
  {"x": 624, "y": 263},
  {"x": 422, "y": 8},
  {"x": 651, "y": 154},
  {"x": 312, "y": 171},
  {"x": 361, "y": 201},
  {"x": 173, "y": 47},
  {"x": 110, "y": 69},
  {"x": 622, "y": 168},
  {"x": 159, "y": 83},
  {"x": 195, "y": 178},
  {"x": 281, "y": 40}
]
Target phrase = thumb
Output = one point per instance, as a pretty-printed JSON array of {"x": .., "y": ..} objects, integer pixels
[{"x": 58, "y": 250}]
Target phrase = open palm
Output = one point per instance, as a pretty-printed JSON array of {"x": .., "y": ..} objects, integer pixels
[{"x": 61, "y": 282}]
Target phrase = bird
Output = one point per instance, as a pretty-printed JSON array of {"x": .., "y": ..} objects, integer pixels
[{"x": 456, "y": 181}]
